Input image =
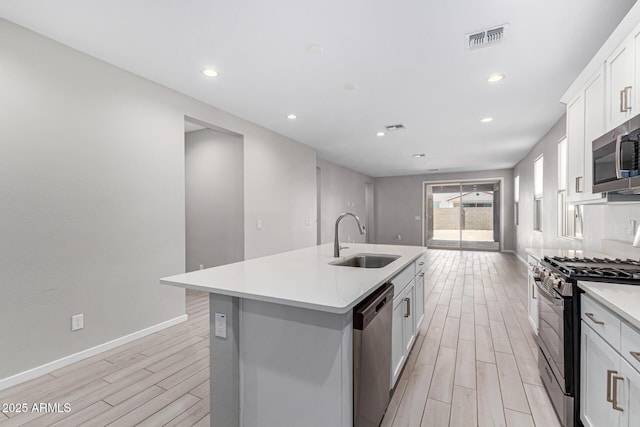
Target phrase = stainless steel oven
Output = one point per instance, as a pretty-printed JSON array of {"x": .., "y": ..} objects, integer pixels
[
  {"x": 555, "y": 343},
  {"x": 559, "y": 327},
  {"x": 615, "y": 159}
]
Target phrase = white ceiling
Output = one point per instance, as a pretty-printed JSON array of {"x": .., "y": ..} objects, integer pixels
[{"x": 406, "y": 57}]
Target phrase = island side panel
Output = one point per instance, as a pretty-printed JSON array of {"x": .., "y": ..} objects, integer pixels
[
  {"x": 296, "y": 366},
  {"x": 225, "y": 362}
]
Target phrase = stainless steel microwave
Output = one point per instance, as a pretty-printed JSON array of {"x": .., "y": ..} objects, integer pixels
[{"x": 615, "y": 159}]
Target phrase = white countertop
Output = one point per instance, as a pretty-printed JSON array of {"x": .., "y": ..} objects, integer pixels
[
  {"x": 539, "y": 254},
  {"x": 301, "y": 278},
  {"x": 624, "y": 300}
]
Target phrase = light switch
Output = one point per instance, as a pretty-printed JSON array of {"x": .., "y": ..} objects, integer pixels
[
  {"x": 220, "y": 325},
  {"x": 259, "y": 224},
  {"x": 308, "y": 222}
]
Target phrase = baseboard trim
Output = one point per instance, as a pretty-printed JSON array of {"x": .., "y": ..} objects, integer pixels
[
  {"x": 67, "y": 360},
  {"x": 516, "y": 254}
]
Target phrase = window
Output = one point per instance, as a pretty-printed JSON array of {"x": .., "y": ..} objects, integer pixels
[
  {"x": 569, "y": 214},
  {"x": 516, "y": 200},
  {"x": 538, "y": 166}
]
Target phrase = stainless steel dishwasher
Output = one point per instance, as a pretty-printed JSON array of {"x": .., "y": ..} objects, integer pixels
[{"x": 372, "y": 357}]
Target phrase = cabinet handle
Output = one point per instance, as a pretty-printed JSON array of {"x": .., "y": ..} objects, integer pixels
[
  {"x": 627, "y": 92},
  {"x": 593, "y": 319},
  {"x": 635, "y": 354},
  {"x": 610, "y": 372},
  {"x": 615, "y": 393},
  {"x": 421, "y": 274},
  {"x": 533, "y": 290},
  {"x": 623, "y": 108},
  {"x": 408, "y": 307},
  {"x": 421, "y": 263},
  {"x": 578, "y": 181}
]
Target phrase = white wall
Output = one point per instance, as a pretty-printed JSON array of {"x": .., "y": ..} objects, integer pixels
[
  {"x": 605, "y": 227},
  {"x": 92, "y": 181},
  {"x": 214, "y": 198},
  {"x": 342, "y": 190},
  {"x": 398, "y": 201}
]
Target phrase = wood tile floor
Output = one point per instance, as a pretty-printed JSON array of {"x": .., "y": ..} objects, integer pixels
[
  {"x": 159, "y": 380},
  {"x": 473, "y": 363}
]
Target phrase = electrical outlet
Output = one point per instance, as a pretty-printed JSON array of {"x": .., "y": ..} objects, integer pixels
[
  {"x": 399, "y": 237},
  {"x": 201, "y": 267},
  {"x": 77, "y": 322}
]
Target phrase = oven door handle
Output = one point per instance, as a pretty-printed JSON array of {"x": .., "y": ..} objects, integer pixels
[
  {"x": 618, "y": 157},
  {"x": 546, "y": 295}
]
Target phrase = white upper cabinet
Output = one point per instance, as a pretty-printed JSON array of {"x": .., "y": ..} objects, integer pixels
[
  {"x": 585, "y": 122},
  {"x": 575, "y": 148},
  {"x": 603, "y": 96},
  {"x": 594, "y": 127},
  {"x": 620, "y": 79}
]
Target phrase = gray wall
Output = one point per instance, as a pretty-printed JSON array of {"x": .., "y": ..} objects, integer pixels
[
  {"x": 92, "y": 178},
  {"x": 214, "y": 199},
  {"x": 342, "y": 190},
  {"x": 398, "y": 201},
  {"x": 605, "y": 226}
]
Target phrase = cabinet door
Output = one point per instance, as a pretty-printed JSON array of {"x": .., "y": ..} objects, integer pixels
[
  {"x": 397, "y": 338},
  {"x": 575, "y": 148},
  {"x": 598, "y": 363},
  {"x": 533, "y": 303},
  {"x": 419, "y": 302},
  {"x": 620, "y": 73},
  {"x": 408, "y": 326},
  {"x": 630, "y": 396},
  {"x": 594, "y": 127}
]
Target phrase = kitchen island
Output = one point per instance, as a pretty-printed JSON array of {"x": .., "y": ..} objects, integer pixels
[{"x": 281, "y": 333}]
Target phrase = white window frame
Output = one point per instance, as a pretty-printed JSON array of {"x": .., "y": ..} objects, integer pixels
[
  {"x": 516, "y": 200},
  {"x": 569, "y": 214},
  {"x": 538, "y": 192}
]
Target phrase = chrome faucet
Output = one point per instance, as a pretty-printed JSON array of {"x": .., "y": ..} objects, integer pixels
[{"x": 336, "y": 243}]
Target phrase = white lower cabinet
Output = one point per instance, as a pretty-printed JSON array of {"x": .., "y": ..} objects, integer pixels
[
  {"x": 609, "y": 385},
  {"x": 532, "y": 294},
  {"x": 408, "y": 313},
  {"x": 420, "y": 300},
  {"x": 598, "y": 362},
  {"x": 397, "y": 337}
]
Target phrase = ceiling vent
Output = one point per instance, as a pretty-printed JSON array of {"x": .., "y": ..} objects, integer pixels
[
  {"x": 484, "y": 38},
  {"x": 395, "y": 127}
]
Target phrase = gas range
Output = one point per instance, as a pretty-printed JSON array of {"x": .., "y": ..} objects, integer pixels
[
  {"x": 559, "y": 310},
  {"x": 594, "y": 269}
]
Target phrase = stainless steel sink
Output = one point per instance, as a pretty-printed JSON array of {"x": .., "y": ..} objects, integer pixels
[{"x": 366, "y": 260}]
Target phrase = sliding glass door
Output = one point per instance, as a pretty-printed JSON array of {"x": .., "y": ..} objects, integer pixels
[{"x": 463, "y": 215}]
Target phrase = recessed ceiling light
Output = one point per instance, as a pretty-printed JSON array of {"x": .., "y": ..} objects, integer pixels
[
  {"x": 417, "y": 156},
  {"x": 380, "y": 134},
  {"x": 291, "y": 116},
  {"x": 315, "y": 49},
  {"x": 210, "y": 72},
  {"x": 487, "y": 120},
  {"x": 495, "y": 78}
]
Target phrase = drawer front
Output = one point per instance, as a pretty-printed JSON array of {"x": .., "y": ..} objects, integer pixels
[
  {"x": 601, "y": 320},
  {"x": 630, "y": 345},
  {"x": 402, "y": 279}
]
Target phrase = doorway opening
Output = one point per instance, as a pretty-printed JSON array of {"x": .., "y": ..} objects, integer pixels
[
  {"x": 214, "y": 195},
  {"x": 463, "y": 215}
]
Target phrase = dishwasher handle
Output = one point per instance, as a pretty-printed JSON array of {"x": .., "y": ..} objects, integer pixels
[{"x": 367, "y": 310}]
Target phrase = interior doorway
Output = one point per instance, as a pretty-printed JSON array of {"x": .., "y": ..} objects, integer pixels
[{"x": 463, "y": 215}]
